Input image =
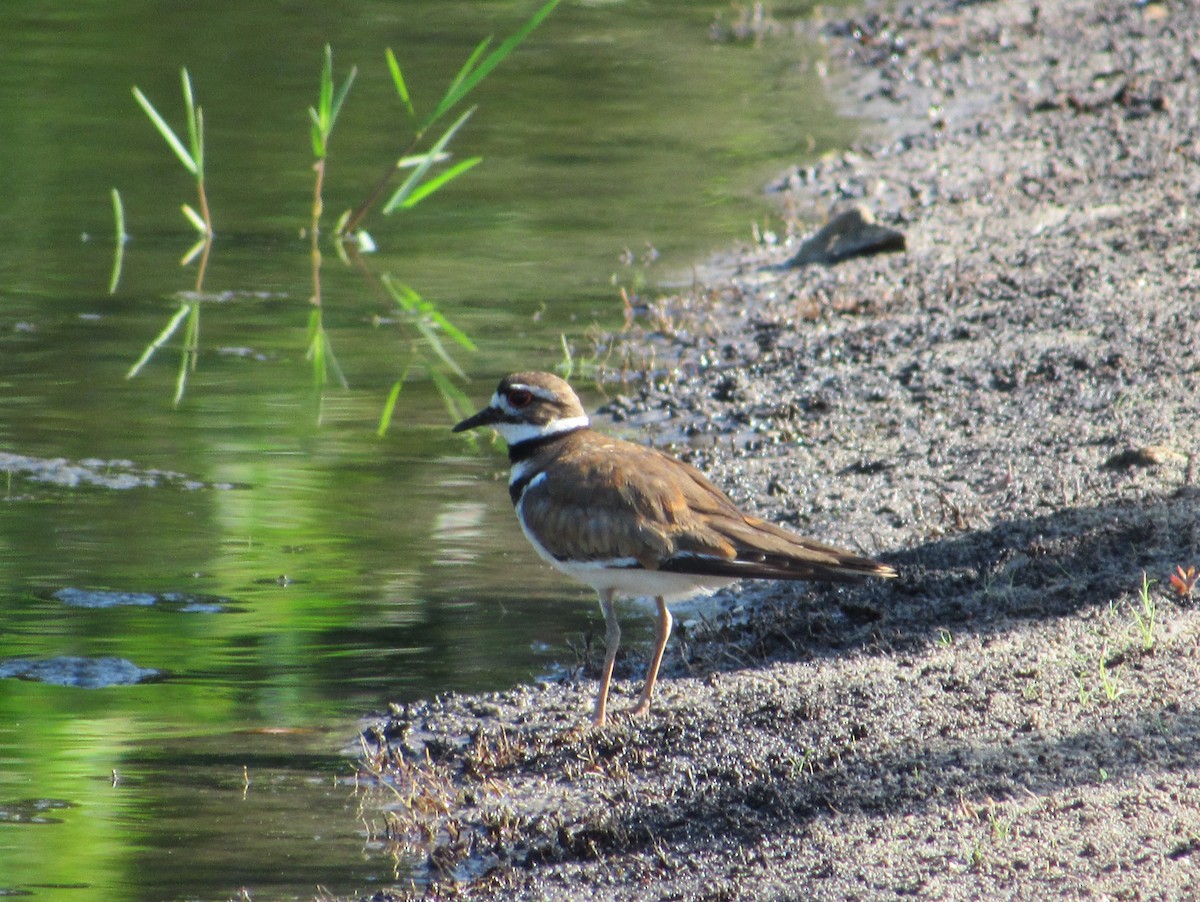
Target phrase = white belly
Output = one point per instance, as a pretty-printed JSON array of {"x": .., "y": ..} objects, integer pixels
[
  {"x": 635, "y": 582},
  {"x": 622, "y": 575},
  {"x": 627, "y": 580}
]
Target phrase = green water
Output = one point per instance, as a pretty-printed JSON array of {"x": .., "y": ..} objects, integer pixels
[{"x": 353, "y": 570}]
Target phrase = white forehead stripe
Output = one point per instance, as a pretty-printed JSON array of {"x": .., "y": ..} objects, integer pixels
[{"x": 537, "y": 391}]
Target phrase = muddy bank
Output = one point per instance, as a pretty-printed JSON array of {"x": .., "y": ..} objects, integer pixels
[{"x": 1009, "y": 412}]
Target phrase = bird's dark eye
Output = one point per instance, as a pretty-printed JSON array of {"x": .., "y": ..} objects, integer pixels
[{"x": 519, "y": 397}]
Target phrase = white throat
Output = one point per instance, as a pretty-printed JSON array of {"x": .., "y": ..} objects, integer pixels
[{"x": 515, "y": 433}]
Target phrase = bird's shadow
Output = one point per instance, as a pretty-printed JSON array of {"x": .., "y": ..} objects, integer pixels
[{"x": 972, "y": 582}]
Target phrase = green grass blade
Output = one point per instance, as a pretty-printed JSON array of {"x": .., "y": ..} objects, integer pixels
[
  {"x": 320, "y": 113},
  {"x": 421, "y": 192},
  {"x": 325, "y": 103},
  {"x": 189, "y": 99},
  {"x": 318, "y": 136},
  {"x": 414, "y": 178},
  {"x": 166, "y": 131},
  {"x": 194, "y": 218},
  {"x": 340, "y": 97},
  {"x": 566, "y": 367},
  {"x": 414, "y": 160},
  {"x": 330, "y": 103},
  {"x": 199, "y": 147},
  {"x": 467, "y": 81},
  {"x": 453, "y": 93},
  {"x": 195, "y": 136},
  {"x": 463, "y": 72},
  {"x": 398, "y": 81}
]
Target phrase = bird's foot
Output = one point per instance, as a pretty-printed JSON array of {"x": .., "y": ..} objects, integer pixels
[{"x": 641, "y": 709}]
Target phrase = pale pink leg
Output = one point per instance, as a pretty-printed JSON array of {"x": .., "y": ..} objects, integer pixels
[
  {"x": 664, "y": 633},
  {"x": 612, "y": 641}
]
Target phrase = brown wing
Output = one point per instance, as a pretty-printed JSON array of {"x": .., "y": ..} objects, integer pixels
[
  {"x": 604, "y": 498},
  {"x": 623, "y": 500}
]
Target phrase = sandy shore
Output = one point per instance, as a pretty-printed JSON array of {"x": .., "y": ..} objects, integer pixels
[{"x": 1008, "y": 412}]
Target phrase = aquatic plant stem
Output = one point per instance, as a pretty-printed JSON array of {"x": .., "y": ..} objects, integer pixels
[
  {"x": 318, "y": 207},
  {"x": 350, "y": 226}
]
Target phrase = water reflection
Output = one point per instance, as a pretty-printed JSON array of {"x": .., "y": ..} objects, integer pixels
[{"x": 351, "y": 571}]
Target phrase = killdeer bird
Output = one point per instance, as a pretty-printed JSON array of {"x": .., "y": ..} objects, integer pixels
[{"x": 631, "y": 521}]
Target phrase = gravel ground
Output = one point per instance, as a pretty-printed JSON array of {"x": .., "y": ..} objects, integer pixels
[{"x": 1008, "y": 412}]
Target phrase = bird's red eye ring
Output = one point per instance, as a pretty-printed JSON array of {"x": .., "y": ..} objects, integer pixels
[{"x": 519, "y": 397}]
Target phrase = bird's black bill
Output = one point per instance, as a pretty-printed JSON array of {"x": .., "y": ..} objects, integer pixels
[{"x": 485, "y": 417}]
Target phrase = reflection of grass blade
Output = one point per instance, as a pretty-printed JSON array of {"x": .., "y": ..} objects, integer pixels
[
  {"x": 419, "y": 194},
  {"x": 317, "y": 346},
  {"x": 194, "y": 251},
  {"x": 119, "y": 217},
  {"x": 191, "y": 348},
  {"x": 334, "y": 365},
  {"x": 413, "y": 303},
  {"x": 414, "y": 179},
  {"x": 438, "y": 348},
  {"x": 166, "y": 131},
  {"x": 457, "y": 404},
  {"x": 450, "y": 329},
  {"x": 160, "y": 339},
  {"x": 389, "y": 406},
  {"x": 401, "y": 293},
  {"x": 398, "y": 80},
  {"x": 468, "y": 78},
  {"x": 119, "y": 252},
  {"x": 181, "y": 379},
  {"x": 320, "y": 352}
]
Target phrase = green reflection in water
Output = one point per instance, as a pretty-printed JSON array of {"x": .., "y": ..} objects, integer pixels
[{"x": 615, "y": 125}]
